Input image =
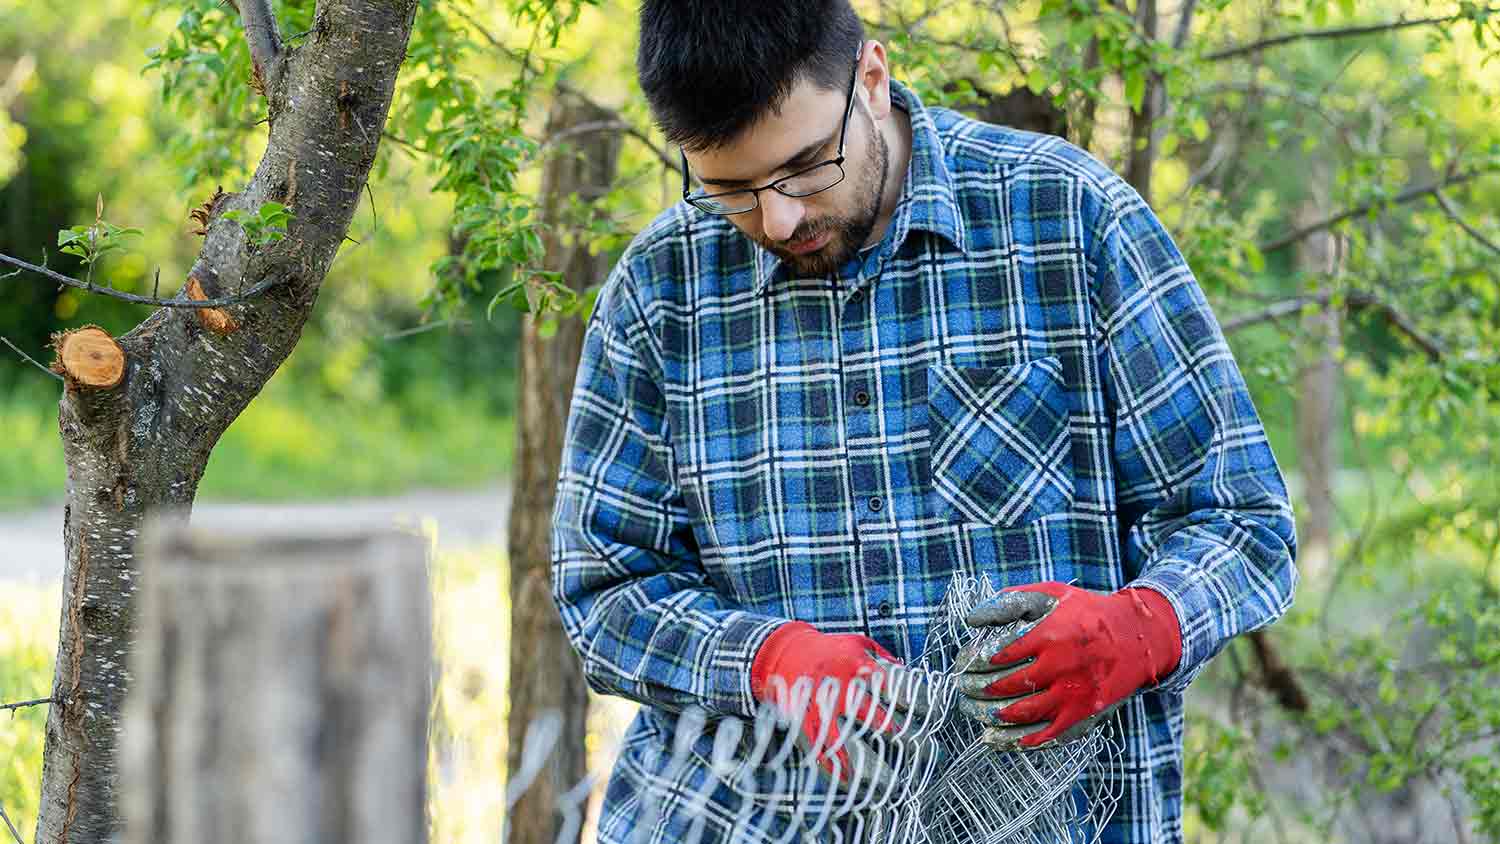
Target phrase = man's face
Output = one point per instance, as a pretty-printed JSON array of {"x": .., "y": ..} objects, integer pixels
[{"x": 814, "y": 234}]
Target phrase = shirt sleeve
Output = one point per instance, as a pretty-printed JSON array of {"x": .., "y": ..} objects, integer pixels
[
  {"x": 1204, "y": 512},
  {"x": 635, "y": 600}
]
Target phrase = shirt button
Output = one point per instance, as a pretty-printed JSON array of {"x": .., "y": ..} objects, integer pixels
[
  {"x": 857, "y": 296},
  {"x": 861, "y": 398},
  {"x": 886, "y": 610},
  {"x": 876, "y": 504}
]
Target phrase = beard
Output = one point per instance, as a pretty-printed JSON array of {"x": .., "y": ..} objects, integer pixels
[{"x": 851, "y": 230}]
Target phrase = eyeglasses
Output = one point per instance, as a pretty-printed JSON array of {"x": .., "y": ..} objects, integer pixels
[{"x": 804, "y": 182}]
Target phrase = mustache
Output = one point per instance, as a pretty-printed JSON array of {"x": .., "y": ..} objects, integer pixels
[{"x": 803, "y": 232}]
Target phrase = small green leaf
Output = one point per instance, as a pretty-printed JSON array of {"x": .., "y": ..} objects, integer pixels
[
  {"x": 1135, "y": 87},
  {"x": 1036, "y": 80}
]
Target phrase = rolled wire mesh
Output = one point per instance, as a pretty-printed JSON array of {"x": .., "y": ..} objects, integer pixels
[
  {"x": 987, "y": 793},
  {"x": 931, "y": 775}
]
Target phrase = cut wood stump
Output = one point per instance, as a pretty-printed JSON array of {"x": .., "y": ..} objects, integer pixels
[
  {"x": 89, "y": 356},
  {"x": 280, "y": 689}
]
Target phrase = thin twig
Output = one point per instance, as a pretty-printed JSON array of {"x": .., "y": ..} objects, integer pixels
[
  {"x": 11, "y": 826},
  {"x": 411, "y": 147},
  {"x": 613, "y": 125},
  {"x": 6, "y": 341},
  {"x": 374, "y": 218},
  {"x": 420, "y": 329},
  {"x": 1339, "y": 32},
  {"x": 1453, "y": 213},
  {"x": 222, "y": 301},
  {"x": 524, "y": 59},
  {"x": 1399, "y": 199},
  {"x": 37, "y": 702}
]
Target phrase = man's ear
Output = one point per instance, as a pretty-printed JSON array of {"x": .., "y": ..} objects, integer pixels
[{"x": 874, "y": 82}]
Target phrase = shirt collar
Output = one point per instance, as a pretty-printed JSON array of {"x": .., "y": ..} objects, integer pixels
[{"x": 927, "y": 198}]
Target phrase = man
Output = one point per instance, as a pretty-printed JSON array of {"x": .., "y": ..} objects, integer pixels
[{"x": 879, "y": 344}]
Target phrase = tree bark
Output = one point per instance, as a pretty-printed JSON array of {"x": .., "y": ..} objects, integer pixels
[
  {"x": 282, "y": 688},
  {"x": 545, "y": 676},
  {"x": 1318, "y": 407},
  {"x": 143, "y": 443},
  {"x": 1142, "y": 159}
]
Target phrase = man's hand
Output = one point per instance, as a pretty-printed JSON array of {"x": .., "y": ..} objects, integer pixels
[
  {"x": 853, "y": 698},
  {"x": 1075, "y": 657}
]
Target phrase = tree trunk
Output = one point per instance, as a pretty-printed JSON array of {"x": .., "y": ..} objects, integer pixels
[
  {"x": 1318, "y": 423},
  {"x": 545, "y": 677},
  {"x": 143, "y": 442},
  {"x": 1142, "y": 158},
  {"x": 281, "y": 692}
]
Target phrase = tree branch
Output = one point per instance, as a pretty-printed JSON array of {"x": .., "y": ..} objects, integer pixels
[
  {"x": 11, "y": 826},
  {"x": 1280, "y": 680},
  {"x": 1453, "y": 213},
  {"x": 6, "y": 341},
  {"x": 623, "y": 126},
  {"x": 525, "y": 61},
  {"x": 1184, "y": 24},
  {"x": 1353, "y": 302},
  {"x": 1339, "y": 32},
  {"x": 1399, "y": 199},
  {"x": 219, "y": 302},
  {"x": 37, "y": 702},
  {"x": 260, "y": 32}
]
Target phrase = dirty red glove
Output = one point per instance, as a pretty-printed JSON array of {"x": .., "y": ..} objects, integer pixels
[
  {"x": 797, "y": 651},
  {"x": 1073, "y": 656}
]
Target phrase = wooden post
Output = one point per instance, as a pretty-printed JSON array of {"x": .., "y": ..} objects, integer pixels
[{"x": 281, "y": 689}]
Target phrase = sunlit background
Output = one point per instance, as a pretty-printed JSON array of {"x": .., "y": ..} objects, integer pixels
[{"x": 404, "y": 379}]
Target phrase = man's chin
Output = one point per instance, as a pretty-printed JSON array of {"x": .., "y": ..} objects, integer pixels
[{"x": 819, "y": 263}]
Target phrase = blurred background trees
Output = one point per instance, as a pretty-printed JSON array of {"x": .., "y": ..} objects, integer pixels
[{"x": 1329, "y": 169}]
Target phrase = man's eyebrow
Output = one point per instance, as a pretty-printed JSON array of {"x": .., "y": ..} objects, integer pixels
[{"x": 801, "y": 157}]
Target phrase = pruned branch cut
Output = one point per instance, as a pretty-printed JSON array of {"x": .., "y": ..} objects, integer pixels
[
  {"x": 89, "y": 356},
  {"x": 216, "y": 320}
]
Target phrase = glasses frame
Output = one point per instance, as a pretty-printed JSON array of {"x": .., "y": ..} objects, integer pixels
[{"x": 837, "y": 161}]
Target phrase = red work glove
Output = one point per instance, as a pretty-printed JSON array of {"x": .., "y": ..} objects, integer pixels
[
  {"x": 835, "y": 721},
  {"x": 1072, "y": 657}
]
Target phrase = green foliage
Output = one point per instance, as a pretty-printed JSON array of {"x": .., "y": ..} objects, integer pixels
[
  {"x": 1247, "y": 149},
  {"x": 1219, "y": 774},
  {"x": 267, "y": 225},
  {"x": 288, "y": 445},
  {"x": 94, "y": 241},
  {"x": 28, "y": 615}
]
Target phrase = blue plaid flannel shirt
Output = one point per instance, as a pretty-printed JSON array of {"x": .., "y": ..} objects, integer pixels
[{"x": 1022, "y": 381}]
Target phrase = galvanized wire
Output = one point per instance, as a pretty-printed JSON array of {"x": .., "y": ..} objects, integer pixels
[{"x": 923, "y": 773}]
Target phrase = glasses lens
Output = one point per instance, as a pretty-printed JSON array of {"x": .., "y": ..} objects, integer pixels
[
  {"x": 729, "y": 203},
  {"x": 819, "y": 178}
]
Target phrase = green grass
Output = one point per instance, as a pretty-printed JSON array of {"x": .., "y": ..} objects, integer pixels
[
  {"x": 31, "y": 463},
  {"x": 288, "y": 446},
  {"x": 28, "y": 615}
]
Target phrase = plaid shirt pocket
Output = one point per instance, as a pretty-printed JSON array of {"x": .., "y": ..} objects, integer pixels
[{"x": 1000, "y": 448}]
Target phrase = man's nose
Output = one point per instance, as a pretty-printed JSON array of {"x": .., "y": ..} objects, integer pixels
[{"x": 779, "y": 215}]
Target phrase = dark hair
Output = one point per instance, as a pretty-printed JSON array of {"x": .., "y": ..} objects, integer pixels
[{"x": 711, "y": 68}]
